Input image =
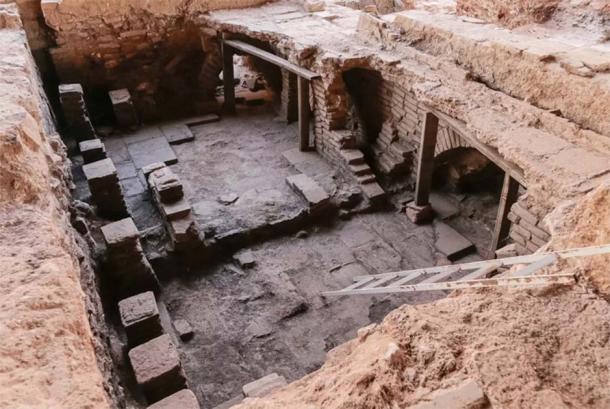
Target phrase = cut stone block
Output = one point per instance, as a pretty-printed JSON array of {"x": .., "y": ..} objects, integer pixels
[
  {"x": 140, "y": 318},
  {"x": 183, "y": 399},
  {"x": 184, "y": 233},
  {"x": 507, "y": 251},
  {"x": 202, "y": 120},
  {"x": 123, "y": 108},
  {"x": 166, "y": 185},
  {"x": 307, "y": 188},
  {"x": 264, "y": 386},
  {"x": 451, "y": 243},
  {"x": 177, "y": 134},
  {"x": 92, "y": 150},
  {"x": 75, "y": 111},
  {"x": 105, "y": 188},
  {"x": 99, "y": 170},
  {"x": 150, "y": 151},
  {"x": 157, "y": 369},
  {"x": 148, "y": 169},
  {"x": 118, "y": 233},
  {"x": 466, "y": 395},
  {"x": 184, "y": 329},
  {"x": 245, "y": 259},
  {"x": 175, "y": 210},
  {"x": 419, "y": 214}
]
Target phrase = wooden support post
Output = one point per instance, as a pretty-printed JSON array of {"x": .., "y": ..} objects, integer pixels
[
  {"x": 303, "y": 90},
  {"x": 228, "y": 79},
  {"x": 510, "y": 193},
  {"x": 426, "y": 160}
]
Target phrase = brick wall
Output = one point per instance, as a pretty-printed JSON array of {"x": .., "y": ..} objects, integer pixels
[{"x": 526, "y": 230}]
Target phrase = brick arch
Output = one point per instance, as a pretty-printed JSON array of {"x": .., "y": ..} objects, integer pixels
[{"x": 448, "y": 139}]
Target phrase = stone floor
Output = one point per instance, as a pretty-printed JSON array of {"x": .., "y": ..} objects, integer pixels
[
  {"x": 272, "y": 318},
  {"x": 249, "y": 322}
]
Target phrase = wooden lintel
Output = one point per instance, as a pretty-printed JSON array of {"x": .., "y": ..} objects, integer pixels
[{"x": 272, "y": 58}]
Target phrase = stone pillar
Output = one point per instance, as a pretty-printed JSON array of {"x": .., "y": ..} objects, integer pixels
[
  {"x": 92, "y": 150},
  {"x": 228, "y": 79},
  {"x": 289, "y": 109},
  {"x": 303, "y": 91},
  {"x": 129, "y": 269},
  {"x": 75, "y": 112},
  {"x": 510, "y": 192},
  {"x": 105, "y": 188},
  {"x": 140, "y": 318},
  {"x": 124, "y": 111}
]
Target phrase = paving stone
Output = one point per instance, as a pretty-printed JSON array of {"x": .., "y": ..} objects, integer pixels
[
  {"x": 451, "y": 243},
  {"x": 157, "y": 369},
  {"x": 245, "y": 259},
  {"x": 140, "y": 317},
  {"x": 92, "y": 150},
  {"x": 264, "y": 386},
  {"x": 126, "y": 170},
  {"x": 151, "y": 151},
  {"x": 307, "y": 188},
  {"x": 177, "y": 134},
  {"x": 132, "y": 187},
  {"x": 184, "y": 329},
  {"x": 466, "y": 395},
  {"x": 183, "y": 399},
  {"x": 443, "y": 206}
]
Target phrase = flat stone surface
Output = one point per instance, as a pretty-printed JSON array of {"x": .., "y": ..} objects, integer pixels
[
  {"x": 99, "y": 170},
  {"x": 230, "y": 403},
  {"x": 178, "y": 133},
  {"x": 443, "y": 206},
  {"x": 183, "y": 399},
  {"x": 157, "y": 367},
  {"x": 148, "y": 169},
  {"x": 126, "y": 170},
  {"x": 132, "y": 187},
  {"x": 138, "y": 308},
  {"x": 184, "y": 329},
  {"x": 308, "y": 189},
  {"x": 151, "y": 151},
  {"x": 466, "y": 395},
  {"x": 91, "y": 144},
  {"x": 176, "y": 210},
  {"x": 244, "y": 259},
  {"x": 70, "y": 88},
  {"x": 264, "y": 386},
  {"x": 373, "y": 191},
  {"x": 117, "y": 233},
  {"x": 451, "y": 243}
]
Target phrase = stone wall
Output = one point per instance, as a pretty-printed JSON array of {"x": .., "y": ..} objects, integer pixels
[
  {"x": 152, "y": 49},
  {"x": 526, "y": 230},
  {"x": 511, "y": 13},
  {"x": 49, "y": 348}
]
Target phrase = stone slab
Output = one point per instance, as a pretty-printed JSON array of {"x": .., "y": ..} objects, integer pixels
[
  {"x": 184, "y": 329},
  {"x": 373, "y": 191},
  {"x": 157, "y": 368},
  {"x": 119, "y": 96},
  {"x": 119, "y": 232},
  {"x": 150, "y": 151},
  {"x": 175, "y": 210},
  {"x": 264, "y": 386},
  {"x": 308, "y": 189},
  {"x": 183, "y": 399},
  {"x": 466, "y": 395},
  {"x": 177, "y": 134},
  {"x": 140, "y": 317},
  {"x": 443, "y": 206},
  {"x": 99, "y": 170},
  {"x": 202, "y": 120},
  {"x": 245, "y": 259},
  {"x": 451, "y": 243}
]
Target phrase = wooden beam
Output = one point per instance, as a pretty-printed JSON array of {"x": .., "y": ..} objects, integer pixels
[
  {"x": 272, "y": 58},
  {"x": 425, "y": 166},
  {"x": 228, "y": 79},
  {"x": 303, "y": 90},
  {"x": 510, "y": 193}
]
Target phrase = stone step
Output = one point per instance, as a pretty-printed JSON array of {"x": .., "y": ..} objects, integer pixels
[
  {"x": 352, "y": 156},
  {"x": 373, "y": 191},
  {"x": 307, "y": 188},
  {"x": 370, "y": 178},
  {"x": 360, "y": 169},
  {"x": 451, "y": 243}
]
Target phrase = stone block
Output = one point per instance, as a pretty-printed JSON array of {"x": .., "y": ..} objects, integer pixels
[
  {"x": 105, "y": 188},
  {"x": 120, "y": 234},
  {"x": 148, "y": 169},
  {"x": 177, "y": 134},
  {"x": 165, "y": 185},
  {"x": 466, "y": 395},
  {"x": 71, "y": 97},
  {"x": 140, "y": 317},
  {"x": 245, "y": 259},
  {"x": 263, "y": 386},
  {"x": 184, "y": 329},
  {"x": 352, "y": 156},
  {"x": 157, "y": 368},
  {"x": 175, "y": 210},
  {"x": 419, "y": 214},
  {"x": 308, "y": 189},
  {"x": 123, "y": 108},
  {"x": 373, "y": 191},
  {"x": 100, "y": 170},
  {"x": 451, "y": 243},
  {"x": 507, "y": 251},
  {"x": 183, "y": 399},
  {"x": 518, "y": 210},
  {"x": 92, "y": 150}
]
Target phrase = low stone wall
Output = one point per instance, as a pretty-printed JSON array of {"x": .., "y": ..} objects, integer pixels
[
  {"x": 49, "y": 350},
  {"x": 526, "y": 229}
]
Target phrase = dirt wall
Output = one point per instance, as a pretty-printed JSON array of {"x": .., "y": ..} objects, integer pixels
[{"x": 48, "y": 353}]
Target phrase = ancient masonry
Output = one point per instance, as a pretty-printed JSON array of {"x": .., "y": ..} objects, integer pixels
[{"x": 183, "y": 184}]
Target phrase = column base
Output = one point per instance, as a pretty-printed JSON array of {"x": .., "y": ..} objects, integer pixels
[{"x": 419, "y": 214}]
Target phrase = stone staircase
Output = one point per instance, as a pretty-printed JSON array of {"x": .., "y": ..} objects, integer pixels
[{"x": 362, "y": 172}]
